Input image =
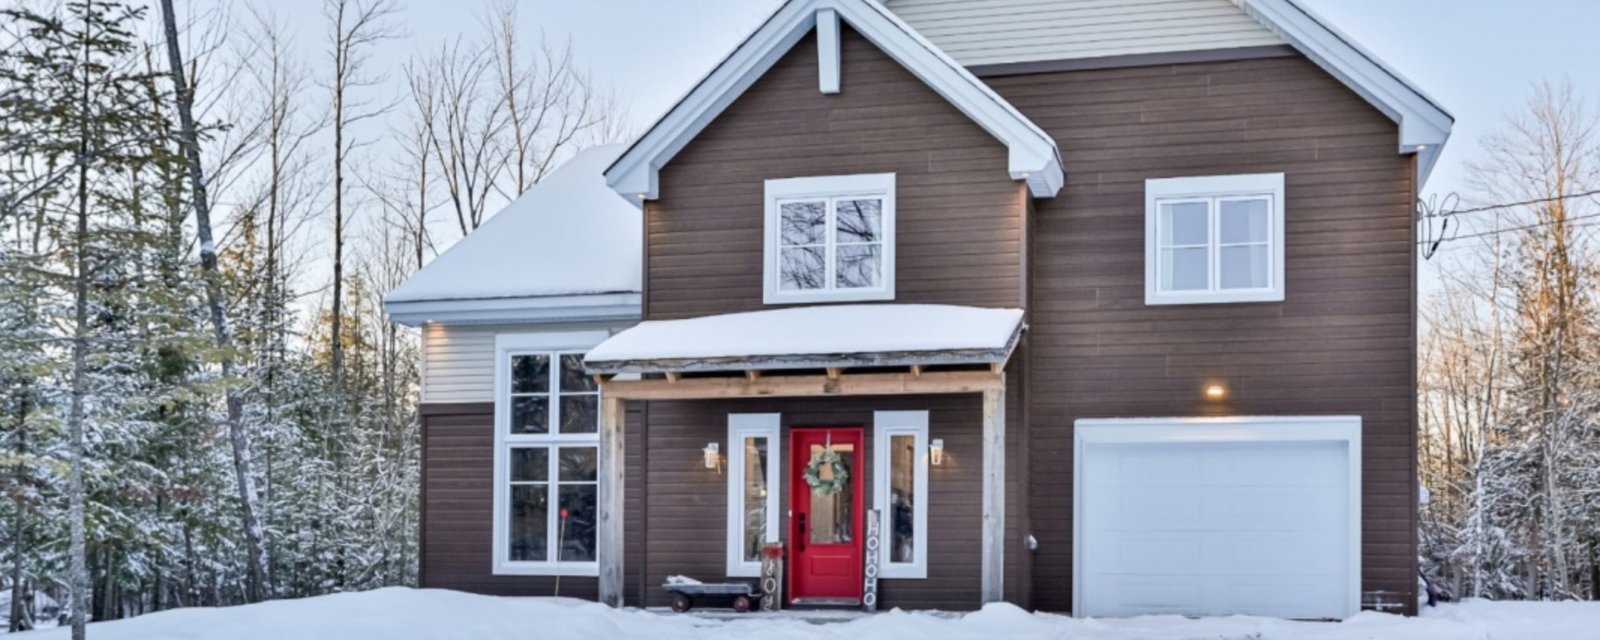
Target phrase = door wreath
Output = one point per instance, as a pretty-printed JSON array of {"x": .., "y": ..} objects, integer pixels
[{"x": 826, "y": 473}]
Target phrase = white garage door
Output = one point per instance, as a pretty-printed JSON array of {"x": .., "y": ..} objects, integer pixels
[{"x": 1216, "y": 517}]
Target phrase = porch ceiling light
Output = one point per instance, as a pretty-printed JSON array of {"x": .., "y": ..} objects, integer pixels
[
  {"x": 936, "y": 452},
  {"x": 713, "y": 458}
]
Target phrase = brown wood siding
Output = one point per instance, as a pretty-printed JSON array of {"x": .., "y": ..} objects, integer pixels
[
  {"x": 687, "y": 509},
  {"x": 1341, "y": 343},
  {"x": 458, "y": 507},
  {"x": 958, "y": 218}
]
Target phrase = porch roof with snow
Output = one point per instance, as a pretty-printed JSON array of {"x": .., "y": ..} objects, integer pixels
[{"x": 819, "y": 337}]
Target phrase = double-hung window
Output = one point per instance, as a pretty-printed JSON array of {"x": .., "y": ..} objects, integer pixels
[
  {"x": 752, "y": 490},
  {"x": 1214, "y": 239},
  {"x": 547, "y": 418},
  {"x": 900, "y": 488},
  {"x": 830, "y": 239}
]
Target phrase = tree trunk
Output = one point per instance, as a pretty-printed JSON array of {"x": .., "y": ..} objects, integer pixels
[
  {"x": 336, "y": 331},
  {"x": 256, "y": 582},
  {"x": 19, "y": 522},
  {"x": 80, "y": 346},
  {"x": 78, "y": 578}
]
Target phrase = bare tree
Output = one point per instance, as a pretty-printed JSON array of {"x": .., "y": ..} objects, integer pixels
[
  {"x": 464, "y": 121},
  {"x": 548, "y": 102},
  {"x": 357, "y": 26},
  {"x": 239, "y": 438}
]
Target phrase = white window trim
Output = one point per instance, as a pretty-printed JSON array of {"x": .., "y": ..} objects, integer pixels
[
  {"x": 1213, "y": 187},
  {"x": 886, "y": 424},
  {"x": 1341, "y": 429},
  {"x": 881, "y": 185},
  {"x": 505, "y": 346},
  {"x": 741, "y": 426}
]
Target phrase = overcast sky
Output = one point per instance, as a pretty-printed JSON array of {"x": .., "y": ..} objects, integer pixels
[{"x": 1477, "y": 57}]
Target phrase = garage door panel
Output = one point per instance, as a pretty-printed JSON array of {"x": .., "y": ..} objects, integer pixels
[
  {"x": 1143, "y": 553},
  {"x": 1205, "y": 508},
  {"x": 1190, "y": 594},
  {"x": 1208, "y": 528},
  {"x": 1279, "y": 509},
  {"x": 1280, "y": 463}
]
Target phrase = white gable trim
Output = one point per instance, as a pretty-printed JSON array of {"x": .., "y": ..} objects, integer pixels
[
  {"x": 1424, "y": 125},
  {"x": 1033, "y": 154}
]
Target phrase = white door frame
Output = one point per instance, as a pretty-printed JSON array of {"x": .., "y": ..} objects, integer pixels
[{"x": 1342, "y": 429}]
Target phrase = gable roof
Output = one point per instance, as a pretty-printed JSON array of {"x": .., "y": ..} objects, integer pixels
[
  {"x": 1424, "y": 124},
  {"x": 570, "y": 248},
  {"x": 1033, "y": 154}
]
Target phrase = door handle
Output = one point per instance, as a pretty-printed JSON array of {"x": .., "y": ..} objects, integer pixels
[{"x": 802, "y": 532}]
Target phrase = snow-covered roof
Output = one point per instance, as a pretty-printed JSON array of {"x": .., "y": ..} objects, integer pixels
[
  {"x": 568, "y": 242},
  {"x": 814, "y": 337}
]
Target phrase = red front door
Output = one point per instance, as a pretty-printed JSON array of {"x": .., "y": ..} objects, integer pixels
[{"x": 825, "y": 556}]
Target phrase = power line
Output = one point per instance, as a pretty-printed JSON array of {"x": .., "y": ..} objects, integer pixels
[
  {"x": 1511, "y": 205},
  {"x": 1521, "y": 228},
  {"x": 1431, "y": 243},
  {"x": 1454, "y": 247}
]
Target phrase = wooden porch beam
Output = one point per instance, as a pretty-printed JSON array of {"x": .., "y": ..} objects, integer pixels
[
  {"x": 994, "y": 493},
  {"x": 864, "y": 384},
  {"x": 608, "y": 537}
]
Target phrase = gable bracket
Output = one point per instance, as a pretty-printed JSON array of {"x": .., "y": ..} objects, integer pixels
[{"x": 828, "y": 56}]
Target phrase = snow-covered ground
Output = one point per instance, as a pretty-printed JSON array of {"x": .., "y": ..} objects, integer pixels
[{"x": 407, "y": 614}]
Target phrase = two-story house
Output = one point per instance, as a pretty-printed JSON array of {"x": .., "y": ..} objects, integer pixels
[{"x": 1101, "y": 307}]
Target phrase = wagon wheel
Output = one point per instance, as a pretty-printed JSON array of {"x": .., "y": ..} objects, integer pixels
[
  {"x": 681, "y": 602},
  {"x": 741, "y": 604}
]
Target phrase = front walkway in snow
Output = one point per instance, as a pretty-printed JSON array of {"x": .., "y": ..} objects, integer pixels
[{"x": 408, "y": 614}]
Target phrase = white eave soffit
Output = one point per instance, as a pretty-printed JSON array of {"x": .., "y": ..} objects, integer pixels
[
  {"x": 1424, "y": 125},
  {"x": 1033, "y": 154}
]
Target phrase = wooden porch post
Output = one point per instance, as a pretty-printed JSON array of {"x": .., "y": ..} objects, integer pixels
[
  {"x": 609, "y": 535},
  {"x": 994, "y": 492}
]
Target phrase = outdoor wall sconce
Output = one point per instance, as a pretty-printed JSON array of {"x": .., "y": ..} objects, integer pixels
[
  {"x": 936, "y": 452},
  {"x": 1216, "y": 392},
  {"x": 713, "y": 459}
]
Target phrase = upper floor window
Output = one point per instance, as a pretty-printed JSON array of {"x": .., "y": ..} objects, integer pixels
[
  {"x": 830, "y": 239},
  {"x": 1214, "y": 239}
]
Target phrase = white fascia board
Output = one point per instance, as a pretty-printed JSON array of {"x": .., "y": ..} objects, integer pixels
[
  {"x": 1033, "y": 154},
  {"x": 635, "y": 175},
  {"x": 1424, "y": 125},
  {"x": 607, "y": 307}
]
